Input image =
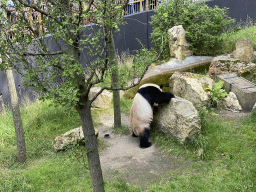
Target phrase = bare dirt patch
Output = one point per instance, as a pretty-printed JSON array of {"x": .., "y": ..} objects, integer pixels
[
  {"x": 124, "y": 158},
  {"x": 232, "y": 117},
  {"x": 233, "y": 114}
]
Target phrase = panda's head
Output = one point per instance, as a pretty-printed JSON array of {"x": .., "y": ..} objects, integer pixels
[{"x": 153, "y": 94}]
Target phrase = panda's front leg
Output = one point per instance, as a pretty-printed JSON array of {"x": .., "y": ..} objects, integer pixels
[{"x": 144, "y": 143}]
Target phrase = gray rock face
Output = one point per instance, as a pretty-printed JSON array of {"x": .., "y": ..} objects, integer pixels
[
  {"x": 178, "y": 119},
  {"x": 190, "y": 87},
  {"x": 221, "y": 65},
  {"x": 244, "y": 50},
  {"x": 72, "y": 136},
  {"x": 179, "y": 47}
]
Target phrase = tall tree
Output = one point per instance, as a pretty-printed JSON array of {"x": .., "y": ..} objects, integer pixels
[
  {"x": 21, "y": 147},
  {"x": 59, "y": 74}
]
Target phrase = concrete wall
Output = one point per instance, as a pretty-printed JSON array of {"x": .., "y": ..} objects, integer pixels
[{"x": 137, "y": 27}]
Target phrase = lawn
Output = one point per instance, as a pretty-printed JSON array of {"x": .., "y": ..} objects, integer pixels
[{"x": 227, "y": 162}]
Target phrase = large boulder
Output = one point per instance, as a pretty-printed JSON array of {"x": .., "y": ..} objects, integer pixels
[
  {"x": 231, "y": 102},
  {"x": 179, "y": 47},
  {"x": 178, "y": 119},
  {"x": 222, "y": 64},
  {"x": 191, "y": 87},
  {"x": 73, "y": 136},
  {"x": 103, "y": 100},
  {"x": 244, "y": 50}
]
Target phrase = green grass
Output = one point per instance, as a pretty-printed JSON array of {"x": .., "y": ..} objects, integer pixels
[
  {"x": 44, "y": 169},
  {"x": 230, "y": 38},
  {"x": 228, "y": 159},
  {"x": 227, "y": 163}
]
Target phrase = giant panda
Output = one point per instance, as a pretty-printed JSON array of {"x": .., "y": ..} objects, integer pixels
[{"x": 141, "y": 113}]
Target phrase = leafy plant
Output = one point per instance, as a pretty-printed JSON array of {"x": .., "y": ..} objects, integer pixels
[
  {"x": 202, "y": 24},
  {"x": 217, "y": 92}
]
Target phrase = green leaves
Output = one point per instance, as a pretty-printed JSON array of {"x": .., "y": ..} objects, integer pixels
[
  {"x": 202, "y": 24},
  {"x": 217, "y": 92}
]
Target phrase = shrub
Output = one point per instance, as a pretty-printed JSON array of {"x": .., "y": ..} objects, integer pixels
[{"x": 202, "y": 24}]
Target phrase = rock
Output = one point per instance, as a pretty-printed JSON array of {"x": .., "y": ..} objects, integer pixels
[
  {"x": 244, "y": 50},
  {"x": 200, "y": 153},
  {"x": 190, "y": 87},
  {"x": 231, "y": 102},
  {"x": 178, "y": 119},
  {"x": 221, "y": 65},
  {"x": 254, "y": 108},
  {"x": 72, "y": 136},
  {"x": 162, "y": 73},
  {"x": 103, "y": 100},
  {"x": 179, "y": 47}
]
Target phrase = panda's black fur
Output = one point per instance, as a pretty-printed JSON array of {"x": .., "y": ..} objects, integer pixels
[{"x": 142, "y": 110}]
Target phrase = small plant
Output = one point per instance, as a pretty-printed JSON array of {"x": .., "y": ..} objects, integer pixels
[{"x": 217, "y": 92}]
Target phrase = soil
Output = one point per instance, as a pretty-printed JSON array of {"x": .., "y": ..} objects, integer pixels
[
  {"x": 124, "y": 159},
  {"x": 228, "y": 114},
  {"x": 136, "y": 166}
]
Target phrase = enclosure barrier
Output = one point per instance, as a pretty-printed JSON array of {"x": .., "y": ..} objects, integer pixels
[{"x": 35, "y": 18}]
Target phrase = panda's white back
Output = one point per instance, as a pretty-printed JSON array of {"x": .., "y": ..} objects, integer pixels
[{"x": 141, "y": 114}]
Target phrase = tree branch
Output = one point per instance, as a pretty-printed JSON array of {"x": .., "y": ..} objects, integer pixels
[
  {"x": 89, "y": 6},
  {"x": 38, "y": 10},
  {"x": 95, "y": 96}
]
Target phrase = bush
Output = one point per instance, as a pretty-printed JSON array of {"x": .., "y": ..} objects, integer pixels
[{"x": 202, "y": 24}]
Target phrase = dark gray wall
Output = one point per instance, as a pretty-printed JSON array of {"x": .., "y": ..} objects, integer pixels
[
  {"x": 238, "y": 9},
  {"x": 137, "y": 27}
]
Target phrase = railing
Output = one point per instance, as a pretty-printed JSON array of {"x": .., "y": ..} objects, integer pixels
[{"x": 135, "y": 6}]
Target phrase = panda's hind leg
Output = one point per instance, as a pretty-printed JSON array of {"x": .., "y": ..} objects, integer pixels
[{"x": 144, "y": 143}]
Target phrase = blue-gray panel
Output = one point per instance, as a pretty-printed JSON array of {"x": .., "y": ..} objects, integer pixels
[
  {"x": 251, "y": 9},
  {"x": 120, "y": 40},
  {"x": 86, "y": 59},
  {"x": 150, "y": 28},
  {"x": 3, "y": 88},
  {"x": 52, "y": 45},
  {"x": 136, "y": 27},
  {"x": 238, "y": 9},
  {"x": 23, "y": 94}
]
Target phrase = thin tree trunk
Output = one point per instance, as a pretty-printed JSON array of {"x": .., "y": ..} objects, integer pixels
[
  {"x": 21, "y": 147},
  {"x": 91, "y": 147},
  {"x": 114, "y": 81}
]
